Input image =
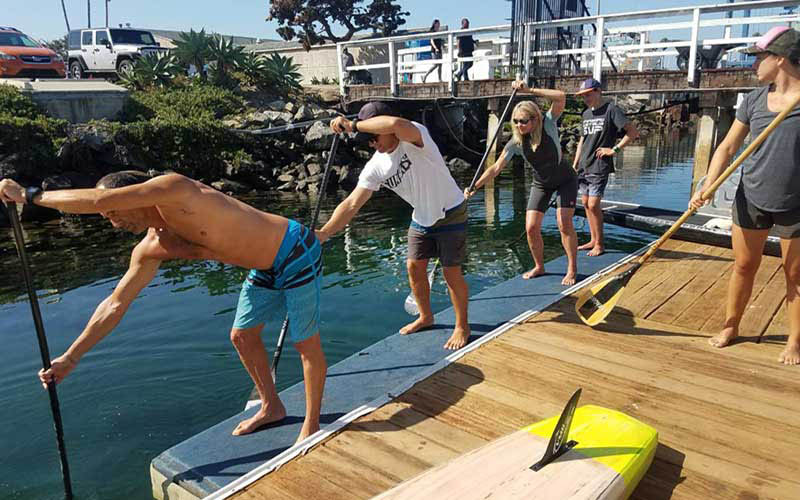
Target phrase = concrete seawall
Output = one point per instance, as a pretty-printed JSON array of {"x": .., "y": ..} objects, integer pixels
[{"x": 77, "y": 101}]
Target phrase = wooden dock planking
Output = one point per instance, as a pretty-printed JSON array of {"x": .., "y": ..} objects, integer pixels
[
  {"x": 727, "y": 418},
  {"x": 769, "y": 266},
  {"x": 673, "y": 278},
  {"x": 692, "y": 286},
  {"x": 778, "y": 329}
]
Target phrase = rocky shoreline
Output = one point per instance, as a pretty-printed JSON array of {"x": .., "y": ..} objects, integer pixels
[{"x": 291, "y": 160}]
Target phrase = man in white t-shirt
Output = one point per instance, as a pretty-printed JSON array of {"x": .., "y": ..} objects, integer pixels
[{"x": 408, "y": 162}]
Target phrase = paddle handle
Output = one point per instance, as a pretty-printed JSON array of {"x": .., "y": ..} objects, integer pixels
[
  {"x": 43, "y": 349},
  {"x": 709, "y": 192},
  {"x": 491, "y": 143}
]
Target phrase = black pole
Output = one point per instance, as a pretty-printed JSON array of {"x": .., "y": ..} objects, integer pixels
[
  {"x": 320, "y": 195},
  {"x": 64, "y": 8},
  {"x": 45, "y": 352},
  {"x": 491, "y": 143}
]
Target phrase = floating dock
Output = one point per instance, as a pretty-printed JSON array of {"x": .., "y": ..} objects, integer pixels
[
  {"x": 727, "y": 418},
  {"x": 370, "y": 378}
]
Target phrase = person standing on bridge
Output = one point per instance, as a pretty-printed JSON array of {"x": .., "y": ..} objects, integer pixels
[
  {"x": 768, "y": 197},
  {"x": 535, "y": 138},
  {"x": 408, "y": 162},
  {"x": 466, "y": 46},
  {"x": 185, "y": 219},
  {"x": 594, "y": 158},
  {"x": 437, "y": 44}
]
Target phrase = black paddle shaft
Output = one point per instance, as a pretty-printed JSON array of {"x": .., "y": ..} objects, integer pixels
[
  {"x": 45, "y": 352},
  {"x": 491, "y": 142},
  {"x": 320, "y": 195}
]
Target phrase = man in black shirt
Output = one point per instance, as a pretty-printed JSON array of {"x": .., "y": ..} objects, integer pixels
[
  {"x": 466, "y": 45},
  {"x": 594, "y": 158}
]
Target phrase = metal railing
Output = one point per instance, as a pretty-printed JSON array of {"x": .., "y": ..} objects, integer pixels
[{"x": 592, "y": 53}]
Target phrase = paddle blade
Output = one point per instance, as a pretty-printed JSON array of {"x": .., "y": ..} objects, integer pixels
[
  {"x": 597, "y": 301},
  {"x": 411, "y": 305}
]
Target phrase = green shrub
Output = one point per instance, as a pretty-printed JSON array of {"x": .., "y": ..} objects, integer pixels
[
  {"x": 15, "y": 103},
  {"x": 41, "y": 137},
  {"x": 196, "y": 101},
  {"x": 191, "y": 146}
]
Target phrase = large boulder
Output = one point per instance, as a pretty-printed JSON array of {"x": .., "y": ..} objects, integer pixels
[
  {"x": 249, "y": 172},
  {"x": 459, "y": 165},
  {"x": 277, "y": 105},
  {"x": 231, "y": 187},
  {"x": 319, "y": 137},
  {"x": 304, "y": 113}
]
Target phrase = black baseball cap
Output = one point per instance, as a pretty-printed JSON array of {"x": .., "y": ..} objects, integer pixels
[{"x": 371, "y": 110}]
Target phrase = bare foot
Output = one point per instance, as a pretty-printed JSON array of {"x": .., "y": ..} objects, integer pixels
[
  {"x": 273, "y": 413},
  {"x": 536, "y": 271},
  {"x": 586, "y": 246},
  {"x": 597, "y": 250},
  {"x": 569, "y": 279},
  {"x": 723, "y": 338},
  {"x": 306, "y": 431},
  {"x": 416, "y": 325},
  {"x": 790, "y": 355},
  {"x": 458, "y": 339}
]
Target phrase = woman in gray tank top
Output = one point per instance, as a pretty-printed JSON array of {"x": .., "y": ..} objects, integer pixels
[
  {"x": 536, "y": 140},
  {"x": 768, "y": 198}
]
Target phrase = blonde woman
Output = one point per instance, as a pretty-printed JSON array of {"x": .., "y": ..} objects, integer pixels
[{"x": 536, "y": 140}]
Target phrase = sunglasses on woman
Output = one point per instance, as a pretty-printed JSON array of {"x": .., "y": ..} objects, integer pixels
[{"x": 522, "y": 121}]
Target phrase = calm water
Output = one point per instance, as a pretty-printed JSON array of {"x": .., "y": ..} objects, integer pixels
[{"x": 169, "y": 371}]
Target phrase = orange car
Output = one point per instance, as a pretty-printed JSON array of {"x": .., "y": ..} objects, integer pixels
[{"x": 23, "y": 57}]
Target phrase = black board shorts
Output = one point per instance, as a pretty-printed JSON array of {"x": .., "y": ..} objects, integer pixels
[
  {"x": 540, "y": 196},
  {"x": 748, "y": 216}
]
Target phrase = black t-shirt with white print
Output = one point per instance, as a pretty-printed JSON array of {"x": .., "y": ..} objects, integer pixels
[{"x": 600, "y": 128}]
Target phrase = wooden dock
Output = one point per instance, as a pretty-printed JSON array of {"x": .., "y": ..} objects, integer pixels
[{"x": 727, "y": 419}]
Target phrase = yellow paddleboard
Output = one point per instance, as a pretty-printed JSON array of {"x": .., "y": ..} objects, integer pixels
[{"x": 612, "y": 454}]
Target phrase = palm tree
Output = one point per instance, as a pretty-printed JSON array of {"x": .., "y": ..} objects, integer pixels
[{"x": 193, "y": 49}]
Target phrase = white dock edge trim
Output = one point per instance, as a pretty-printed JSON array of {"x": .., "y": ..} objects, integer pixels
[{"x": 323, "y": 434}]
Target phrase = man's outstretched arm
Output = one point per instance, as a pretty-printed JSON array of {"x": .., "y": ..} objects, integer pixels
[
  {"x": 380, "y": 125},
  {"x": 108, "y": 313},
  {"x": 163, "y": 189},
  {"x": 346, "y": 210}
]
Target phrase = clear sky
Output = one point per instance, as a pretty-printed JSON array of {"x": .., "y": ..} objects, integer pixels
[{"x": 45, "y": 20}]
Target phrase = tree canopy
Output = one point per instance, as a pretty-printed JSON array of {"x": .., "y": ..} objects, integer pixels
[{"x": 313, "y": 22}]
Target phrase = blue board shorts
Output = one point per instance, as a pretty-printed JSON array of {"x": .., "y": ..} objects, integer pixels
[
  {"x": 592, "y": 184},
  {"x": 291, "y": 287}
]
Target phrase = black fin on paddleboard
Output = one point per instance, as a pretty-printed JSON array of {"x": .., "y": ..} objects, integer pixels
[{"x": 558, "y": 444}]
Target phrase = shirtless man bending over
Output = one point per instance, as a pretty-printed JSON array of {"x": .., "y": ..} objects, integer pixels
[{"x": 185, "y": 219}]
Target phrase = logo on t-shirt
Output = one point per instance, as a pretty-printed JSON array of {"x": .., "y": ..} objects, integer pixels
[
  {"x": 402, "y": 167},
  {"x": 593, "y": 125}
]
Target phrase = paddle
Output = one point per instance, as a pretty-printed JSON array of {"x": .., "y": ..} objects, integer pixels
[
  {"x": 321, "y": 194},
  {"x": 43, "y": 349},
  {"x": 597, "y": 302},
  {"x": 410, "y": 304}
]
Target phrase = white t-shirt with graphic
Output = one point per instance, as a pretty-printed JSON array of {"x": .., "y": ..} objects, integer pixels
[{"x": 418, "y": 175}]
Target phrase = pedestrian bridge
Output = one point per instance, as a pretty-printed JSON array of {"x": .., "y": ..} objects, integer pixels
[{"x": 652, "y": 51}]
